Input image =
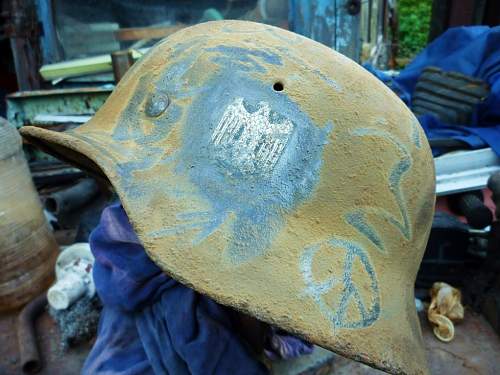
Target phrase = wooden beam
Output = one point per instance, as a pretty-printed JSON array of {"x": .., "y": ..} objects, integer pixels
[{"x": 139, "y": 33}]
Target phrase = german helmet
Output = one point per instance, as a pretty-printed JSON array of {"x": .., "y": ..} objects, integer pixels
[{"x": 276, "y": 176}]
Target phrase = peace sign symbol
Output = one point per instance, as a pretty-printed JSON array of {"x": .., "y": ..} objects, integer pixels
[{"x": 335, "y": 306}]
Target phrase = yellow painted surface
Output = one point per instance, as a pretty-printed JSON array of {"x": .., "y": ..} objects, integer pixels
[{"x": 326, "y": 242}]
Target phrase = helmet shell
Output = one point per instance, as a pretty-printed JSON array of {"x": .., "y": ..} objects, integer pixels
[{"x": 278, "y": 177}]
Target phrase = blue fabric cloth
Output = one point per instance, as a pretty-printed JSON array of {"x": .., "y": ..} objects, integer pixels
[
  {"x": 474, "y": 51},
  {"x": 282, "y": 345},
  {"x": 151, "y": 324}
]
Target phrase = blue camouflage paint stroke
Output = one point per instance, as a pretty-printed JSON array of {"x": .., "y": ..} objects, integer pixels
[
  {"x": 357, "y": 217},
  {"x": 257, "y": 202},
  {"x": 336, "y": 309}
]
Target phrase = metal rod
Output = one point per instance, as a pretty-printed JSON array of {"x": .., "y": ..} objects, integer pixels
[
  {"x": 72, "y": 198},
  {"x": 122, "y": 61},
  {"x": 28, "y": 349}
]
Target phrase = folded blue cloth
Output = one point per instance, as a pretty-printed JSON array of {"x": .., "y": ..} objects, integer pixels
[
  {"x": 281, "y": 345},
  {"x": 151, "y": 324},
  {"x": 473, "y": 51}
]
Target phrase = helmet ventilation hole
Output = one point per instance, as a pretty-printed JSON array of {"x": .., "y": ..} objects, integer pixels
[{"x": 278, "y": 86}]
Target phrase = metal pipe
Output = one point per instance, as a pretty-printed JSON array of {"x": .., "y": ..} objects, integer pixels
[
  {"x": 28, "y": 349},
  {"x": 74, "y": 197}
]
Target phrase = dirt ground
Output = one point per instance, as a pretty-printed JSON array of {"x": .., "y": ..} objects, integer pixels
[{"x": 475, "y": 350}]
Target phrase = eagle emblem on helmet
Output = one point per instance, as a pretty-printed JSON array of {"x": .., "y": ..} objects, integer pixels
[{"x": 250, "y": 142}]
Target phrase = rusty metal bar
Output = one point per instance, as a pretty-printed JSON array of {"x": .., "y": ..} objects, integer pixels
[
  {"x": 28, "y": 349},
  {"x": 122, "y": 61}
]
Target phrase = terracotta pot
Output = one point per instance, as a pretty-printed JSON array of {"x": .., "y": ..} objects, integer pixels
[{"x": 27, "y": 246}]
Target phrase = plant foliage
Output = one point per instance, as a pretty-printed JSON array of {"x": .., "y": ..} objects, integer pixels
[{"x": 414, "y": 23}]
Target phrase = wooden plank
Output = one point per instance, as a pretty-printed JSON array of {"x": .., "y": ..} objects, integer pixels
[
  {"x": 80, "y": 67},
  {"x": 139, "y": 33}
]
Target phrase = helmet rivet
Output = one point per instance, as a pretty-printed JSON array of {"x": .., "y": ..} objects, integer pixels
[{"x": 157, "y": 104}]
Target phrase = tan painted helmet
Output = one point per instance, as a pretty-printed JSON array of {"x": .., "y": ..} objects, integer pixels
[{"x": 276, "y": 176}]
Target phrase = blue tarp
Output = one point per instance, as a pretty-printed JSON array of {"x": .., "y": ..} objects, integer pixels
[
  {"x": 474, "y": 51},
  {"x": 151, "y": 324}
]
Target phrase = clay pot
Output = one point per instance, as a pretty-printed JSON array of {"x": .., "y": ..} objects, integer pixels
[{"x": 27, "y": 246}]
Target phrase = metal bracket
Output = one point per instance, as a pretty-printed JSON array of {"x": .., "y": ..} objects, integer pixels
[{"x": 465, "y": 170}]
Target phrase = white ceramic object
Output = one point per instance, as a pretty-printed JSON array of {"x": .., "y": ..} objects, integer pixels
[{"x": 74, "y": 276}]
